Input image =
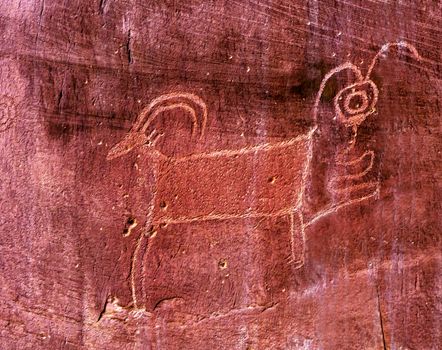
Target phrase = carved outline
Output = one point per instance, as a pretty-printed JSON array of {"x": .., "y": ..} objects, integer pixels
[{"x": 137, "y": 137}]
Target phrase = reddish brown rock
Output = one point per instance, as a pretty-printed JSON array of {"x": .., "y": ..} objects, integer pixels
[{"x": 225, "y": 175}]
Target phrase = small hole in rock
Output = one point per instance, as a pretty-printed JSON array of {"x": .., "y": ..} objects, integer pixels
[
  {"x": 272, "y": 180},
  {"x": 130, "y": 221},
  {"x": 222, "y": 264},
  {"x": 163, "y": 205}
]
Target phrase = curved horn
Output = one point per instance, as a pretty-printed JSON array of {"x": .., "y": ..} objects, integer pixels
[
  {"x": 137, "y": 135},
  {"x": 386, "y": 47},
  {"x": 184, "y": 101}
]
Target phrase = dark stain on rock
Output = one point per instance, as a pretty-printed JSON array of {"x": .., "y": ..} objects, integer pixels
[
  {"x": 229, "y": 45},
  {"x": 63, "y": 131},
  {"x": 310, "y": 80}
]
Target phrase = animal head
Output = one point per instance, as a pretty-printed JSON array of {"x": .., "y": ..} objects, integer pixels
[
  {"x": 141, "y": 133},
  {"x": 355, "y": 102}
]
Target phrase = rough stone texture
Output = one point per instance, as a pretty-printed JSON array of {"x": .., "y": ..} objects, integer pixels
[{"x": 250, "y": 249}]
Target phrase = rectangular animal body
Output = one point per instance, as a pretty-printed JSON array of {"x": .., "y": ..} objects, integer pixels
[{"x": 258, "y": 181}]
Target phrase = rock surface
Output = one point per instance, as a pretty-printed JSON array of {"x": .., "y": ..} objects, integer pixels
[{"x": 220, "y": 175}]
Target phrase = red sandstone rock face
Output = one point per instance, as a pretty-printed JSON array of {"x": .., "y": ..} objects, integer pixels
[{"x": 239, "y": 175}]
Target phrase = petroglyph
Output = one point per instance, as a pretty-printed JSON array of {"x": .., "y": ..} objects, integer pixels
[
  {"x": 137, "y": 135},
  {"x": 205, "y": 186},
  {"x": 7, "y": 112}
]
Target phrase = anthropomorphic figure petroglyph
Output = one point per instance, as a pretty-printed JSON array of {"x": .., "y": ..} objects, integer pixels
[{"x": 224, "y": 186}]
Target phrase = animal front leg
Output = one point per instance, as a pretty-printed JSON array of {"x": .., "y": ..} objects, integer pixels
[{"x": 297, "y": 239}]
